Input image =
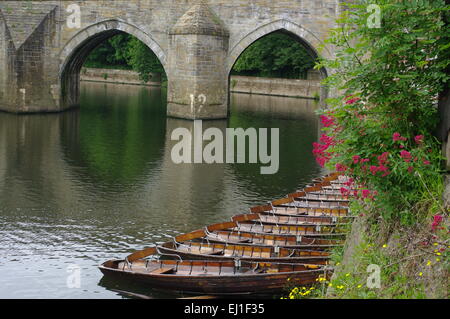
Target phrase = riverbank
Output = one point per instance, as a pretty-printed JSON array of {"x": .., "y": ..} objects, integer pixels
[
  {"x": 116, "y": 77},
  {"x": 298, "y": 88}
]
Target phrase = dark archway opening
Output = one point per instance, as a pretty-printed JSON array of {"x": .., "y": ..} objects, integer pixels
[
  {"x": 110, "y": 49},
  {"x": 278, "y": 55}
]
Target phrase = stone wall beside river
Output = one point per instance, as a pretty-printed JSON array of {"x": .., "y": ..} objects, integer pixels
[{"x": 238, "y": 84}]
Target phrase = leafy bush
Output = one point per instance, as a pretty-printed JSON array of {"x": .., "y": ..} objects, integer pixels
[{"x": 379, "y": 127}]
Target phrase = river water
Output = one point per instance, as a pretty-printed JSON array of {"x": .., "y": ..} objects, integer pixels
[{"x": 85, "y": 186}]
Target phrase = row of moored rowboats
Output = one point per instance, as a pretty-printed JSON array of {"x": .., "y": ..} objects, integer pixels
[{"x": 286, "y": 241}]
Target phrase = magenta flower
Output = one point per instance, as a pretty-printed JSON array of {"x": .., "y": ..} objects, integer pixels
[
  {"x": 397, "y": 137},
  {"x": 326, "y": 121},
  {"x": 437, "y": 219},
  {"x": 326, "y": 139},
  {"x": 321, "y": 161},
  {"x": 382, "y": 159},
  {"x": 352, "y": 101},
  {"x": 365, "y": 193},
  {"x": 406, "y": 155},
  {"x": 373, "y": 169},
  {"x": 418, "y": 139},
  {"x": 356, "y": 159}
]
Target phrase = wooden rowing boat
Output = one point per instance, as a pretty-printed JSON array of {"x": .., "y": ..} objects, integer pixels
[
  {"x": 224, "y": 251},
  {"x": 223, "y": 234},
  {"x": 267, "y": 229},
  {"x": 287, "y": 220},
  {"x": 310, "y": 202},
  {"x": 288, "y": 206},
  {"x": 313, "y": 215},
  {"x": 247, "y": 238},
  {"x": 214, "y": 277},
  {"x": 318, "y": 214}
]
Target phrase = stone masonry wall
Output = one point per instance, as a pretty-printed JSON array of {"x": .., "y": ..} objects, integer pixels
[
  {"x": 277, "y": 87},
  {"x": 43, "y": 45}
]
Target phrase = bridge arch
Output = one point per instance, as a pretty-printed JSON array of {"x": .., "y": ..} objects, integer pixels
[
  {"x": 78, "y": 48},
  {"x": 309, "y": 40}
]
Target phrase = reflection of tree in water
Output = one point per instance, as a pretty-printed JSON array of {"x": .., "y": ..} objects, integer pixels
[
  {"x": 116, "y": 137},
  {"x": 298, "y": 128}
]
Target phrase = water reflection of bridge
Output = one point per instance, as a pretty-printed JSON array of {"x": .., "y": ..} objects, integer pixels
[{"x": 109, "y": 157}]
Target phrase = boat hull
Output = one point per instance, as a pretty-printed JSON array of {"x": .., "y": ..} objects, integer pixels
[{"x": 218, "y": 284}]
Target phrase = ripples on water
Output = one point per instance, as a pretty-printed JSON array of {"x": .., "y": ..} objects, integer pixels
[{"x": 94, "y": 184}]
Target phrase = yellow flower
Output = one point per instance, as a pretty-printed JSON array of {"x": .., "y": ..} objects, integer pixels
[
  {"x": 384, "y": 246},
  {"x": 438, "y": 259},
  {"x": 435, "y": 244},
  {"x": 330, "y": 285},
  {"x": 420, "y": 274},
  {"x": 438, "y": 254},
  {"x": 429, "y": 263},
  {"x": 359, "y": 286},
  {"x": 346, "y": 275}
]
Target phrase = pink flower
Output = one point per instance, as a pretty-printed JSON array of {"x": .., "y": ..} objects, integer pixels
[
  {"x": 397, "y": 137},
  {"x": 327, "y": 140},
  {"x": 437, "y": 219},
  {"x": 351, "y": 101},
  {"x": 418, "y": 139},
  {"x": 326, "y": 121},
  {"x": 365, "y": 193},
  {"x": 345, "y": 191},
  {"x": 382, "y": 159},
  {"x": 321, "y": 161},
  {"x": 406, "y": 155},
  {"x": 426, "y": 162},
  {"x": 349, "y": 182},
  {"x": 356, "y": 159},
  {"x": 340, "y": 167},
  {"x": 373, "y": 169},
  {"x": 410, "y": 169},
  {"x": 384, "y": 169}
]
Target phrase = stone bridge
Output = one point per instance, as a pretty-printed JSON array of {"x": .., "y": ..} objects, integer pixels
[{"x": 43, "y": 45}]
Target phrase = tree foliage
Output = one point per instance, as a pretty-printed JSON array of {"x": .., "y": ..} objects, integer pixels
[
  {"x": 379, "y": 130},
  {"x": 125, "y": 51},
  {"x": 143, "y": 60},
  {"x": 275, "y": 55}
]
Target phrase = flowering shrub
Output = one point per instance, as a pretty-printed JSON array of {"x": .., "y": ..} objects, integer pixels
[{"x": 379, "y": 130}]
